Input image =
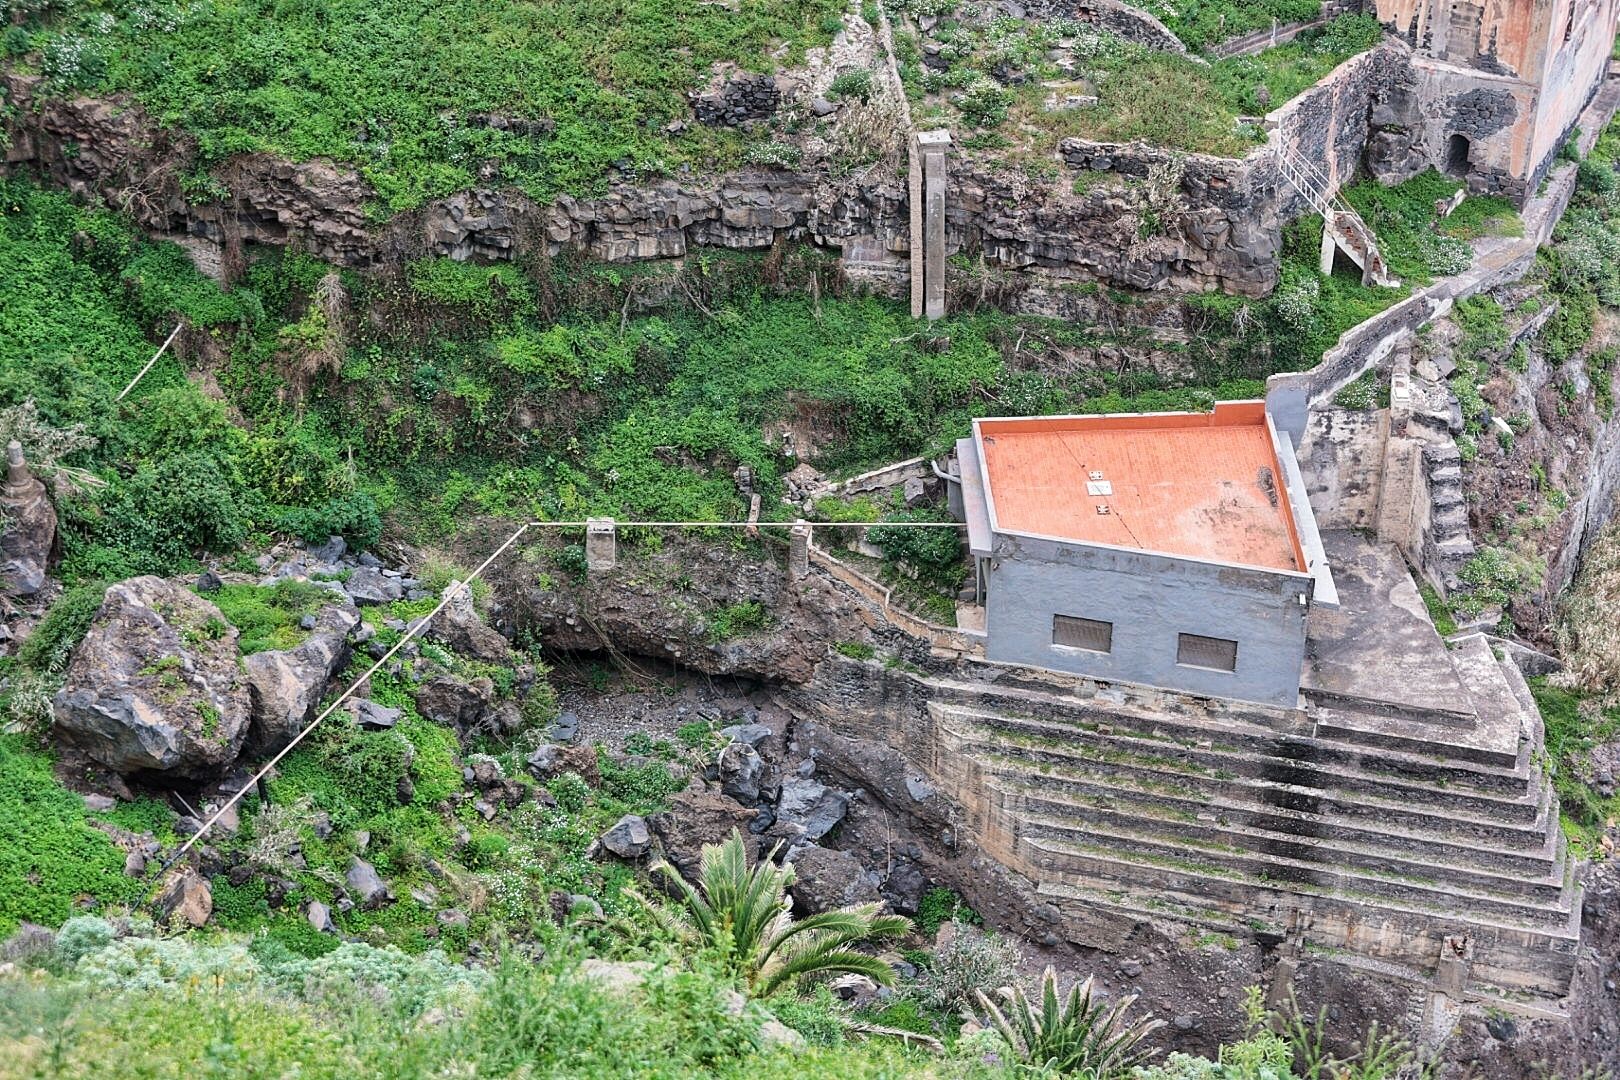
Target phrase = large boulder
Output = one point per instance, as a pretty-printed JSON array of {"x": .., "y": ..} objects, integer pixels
[
  {"x": 27, "y": 527},
  {"x": 186, "y": 898},
  {"x": 371, "y": 585},
  {"x": 809, "y": 808},
  {"x": 696, "y": 819},
  {"x": 454, "y": 702},
  {"x": 826, "y": 880},
  {"x": 285, "y": 687},
  {"x": 459, "y": 627},
  {"x": 155, "y": 686}
]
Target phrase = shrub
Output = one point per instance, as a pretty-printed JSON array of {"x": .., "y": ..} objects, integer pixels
[
  {"x": 851, "y": 84},
  {"x": 971, "y": 961},
  {"x": 82, "y": 935},
  {"x": 49, "y": 648},
  {"x": 743, "y": 918},
  {"x": 1082, "y": 1034},
  {"x": 353, "y": 516},
  {"x": 736, "y": 620}
]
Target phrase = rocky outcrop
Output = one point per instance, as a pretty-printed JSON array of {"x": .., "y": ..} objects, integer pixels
[
  {"x": 636, "y": 608},
  {"x": 117, "y": 152},
  {"x": 286, "y": 687},
  {"x": 459, "y": 628},
  {"x": 186, "y": 900},
  {"x": 455, "y": 702},
  {"x": 154, "y": 686},
  {"x": 27, "y": 527}
]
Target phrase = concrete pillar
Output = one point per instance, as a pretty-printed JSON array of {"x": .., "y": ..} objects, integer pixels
[
  {"x": 601, "y": 544},
  {"x": 799, "y": 550},
  {"x": 929, "y": 159},
  {"x": 1329, "y": 247}
]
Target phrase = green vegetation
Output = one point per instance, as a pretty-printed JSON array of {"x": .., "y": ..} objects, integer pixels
[
  {"x": 1158, "y": 97},
  {"x": 736, "y": 620},
  {"x": 740, "y": 916},
  {"x": 426, "y": 99},
  {"x": 267, "y": 616},
  {"x": 1080, "y": 1035},
  {"x": 50, "y": 854},
  {"x": 1417, "y": 245},
  {"x": 1210, "y": 23},
  {"x": 1575, "y": 724},
  {"x": 1581, "y": 268},
  {"x": 165, "y": 475}
]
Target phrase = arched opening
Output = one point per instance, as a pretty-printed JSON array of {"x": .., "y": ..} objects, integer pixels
[{"x": 1457, "y": 149}]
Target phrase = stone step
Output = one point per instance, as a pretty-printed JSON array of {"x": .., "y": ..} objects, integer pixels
[
  {"x": 1456, "y": 547},
  {"x": 1441, "y": 846},
  {"x": 1531, "y": 967},
  {"x": 1445, "y": 474},
  {"x": 1045, "y": 813},
  {"x": 1351, "y": 812},
  {"x": 1441, "y": 454},
  {"x": 1448, "y": 497},
  {"x": 1138, "y": 863},
  {"x": 1395, "y": 733},
  {"x": 1450, "y": 518},
  {"x": 1303, "y": 761}
]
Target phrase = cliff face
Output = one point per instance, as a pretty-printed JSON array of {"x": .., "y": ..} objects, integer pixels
[{"x": 1220, "y": 231}]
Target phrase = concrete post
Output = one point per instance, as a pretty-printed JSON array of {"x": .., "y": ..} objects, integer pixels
[
  {"x": 1329, "y": 248},
  {"x": 929, "y": 157},
  {"x": 601, "y": 544},
  {"x": 799, "y": 550}
]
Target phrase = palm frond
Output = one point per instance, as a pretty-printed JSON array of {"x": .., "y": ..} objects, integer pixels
[{"x": 826, "y": 957}]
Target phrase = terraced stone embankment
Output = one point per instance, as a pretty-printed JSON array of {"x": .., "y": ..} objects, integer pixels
[{"x": 1382, "y": 838}]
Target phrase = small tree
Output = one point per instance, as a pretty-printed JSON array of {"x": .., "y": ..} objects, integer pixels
[
  {"x": 1083, "y": 1036},
  {"x": 744, "y": 916}
]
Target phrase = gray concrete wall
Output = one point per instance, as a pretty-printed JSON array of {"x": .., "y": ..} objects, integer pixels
[
  {"x": 1149, "y": 599},
  {"x": 1342, "y": 456}
]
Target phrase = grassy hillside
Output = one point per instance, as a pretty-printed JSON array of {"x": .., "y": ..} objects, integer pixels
[{"x": 405, "y": 89}]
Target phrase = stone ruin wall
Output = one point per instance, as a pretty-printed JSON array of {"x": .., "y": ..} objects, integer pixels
[{"x": 1502, "y": 76}]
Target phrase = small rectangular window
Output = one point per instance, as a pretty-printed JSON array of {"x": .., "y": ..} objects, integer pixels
[
  {"x": 1195, "y": 650},
  {"x": 1093, "y": 635}
]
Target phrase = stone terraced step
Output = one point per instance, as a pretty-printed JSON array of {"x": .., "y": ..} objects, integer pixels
[
  {"x": 1129, "y": 861},
  {"x": 1100, "y": 788},
  {"x": 1345, "y": 781},
  {"x": 1046, "y": 814},
  {"x": 1350, "y": 725},
  {"x": 1133, "y": 842},
  {"x": 1552, "y": 965},
  {"x": 1431, "y": 764}
]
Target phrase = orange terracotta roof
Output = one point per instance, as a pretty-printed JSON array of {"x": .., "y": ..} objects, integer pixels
[{"x": 1205, "y": 485}]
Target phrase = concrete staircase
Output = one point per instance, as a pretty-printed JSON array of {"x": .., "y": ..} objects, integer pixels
[
  {"x": 1386, "y": 846},
  {"x": 1342, "y": 226},
  {"x": 1449, "y": 532}
]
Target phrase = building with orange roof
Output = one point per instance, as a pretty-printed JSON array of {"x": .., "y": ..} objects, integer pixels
[{"x": 1175, "y": 550}]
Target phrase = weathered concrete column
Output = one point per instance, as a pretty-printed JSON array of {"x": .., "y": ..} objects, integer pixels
[
  {"x": 930, "y": 152},
  {"x": 27, "y": 527},
  {"x": 601, "y": 544},
  {"x": 799, "y": 550}
]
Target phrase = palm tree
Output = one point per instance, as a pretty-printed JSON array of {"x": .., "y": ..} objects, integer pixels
[
  {"x": 745, "y": 917},
  {"x": 1084, "y": 1036}
]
